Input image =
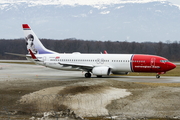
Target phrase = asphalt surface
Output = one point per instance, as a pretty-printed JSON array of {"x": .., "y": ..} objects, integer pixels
[{"x": 9, "y": 71}]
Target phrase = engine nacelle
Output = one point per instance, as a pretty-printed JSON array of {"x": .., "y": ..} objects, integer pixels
[
  {"x": 101, "y": 70},
  {"x": 120, "y": 73}
]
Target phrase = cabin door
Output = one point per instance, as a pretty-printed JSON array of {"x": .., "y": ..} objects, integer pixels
[
  {"x": 44, "y": 60},
  {"x": 153, "y": 63}
]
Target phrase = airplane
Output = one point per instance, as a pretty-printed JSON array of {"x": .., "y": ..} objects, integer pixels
[{"x": 96, "y": 64}]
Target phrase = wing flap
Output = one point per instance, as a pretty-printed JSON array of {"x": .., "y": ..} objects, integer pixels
[{"x": 77, "y": 66}]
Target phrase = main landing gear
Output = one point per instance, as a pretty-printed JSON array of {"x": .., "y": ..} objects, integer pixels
[{"x": 87, "y": 75}]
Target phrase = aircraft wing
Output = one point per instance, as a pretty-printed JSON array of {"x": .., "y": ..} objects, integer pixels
[{"x": 78, "y": 66}]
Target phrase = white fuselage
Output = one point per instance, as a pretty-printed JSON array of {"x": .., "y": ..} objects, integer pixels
[{"x": 117, "y": 62}]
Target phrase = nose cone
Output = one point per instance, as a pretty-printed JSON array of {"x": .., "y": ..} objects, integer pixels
[{"x": 171, "y": 66}]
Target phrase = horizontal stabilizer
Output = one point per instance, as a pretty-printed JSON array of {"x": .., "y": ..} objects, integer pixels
[{"x": 20, "y": 55}]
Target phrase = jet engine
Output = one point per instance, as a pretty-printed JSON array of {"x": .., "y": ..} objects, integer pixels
[{"x": 101, "y": 70}]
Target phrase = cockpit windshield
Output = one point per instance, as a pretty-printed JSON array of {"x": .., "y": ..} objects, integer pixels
[{"x": 164, "y": 61}]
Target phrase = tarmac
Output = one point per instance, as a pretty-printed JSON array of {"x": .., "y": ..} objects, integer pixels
[{"x": 13, "y": 71}]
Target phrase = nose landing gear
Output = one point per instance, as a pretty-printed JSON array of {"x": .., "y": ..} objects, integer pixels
[{"x": 158, "y": 74}]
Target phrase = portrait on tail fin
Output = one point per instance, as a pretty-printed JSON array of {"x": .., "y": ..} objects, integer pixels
[{"x": 29, "y": 43}]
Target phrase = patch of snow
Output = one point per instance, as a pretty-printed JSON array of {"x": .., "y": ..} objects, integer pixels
[
  {"x": 176, "y": 5},
  {"x": 105, "y": 12},
  {"x": 77, "y": 2},
  {"x": 119, "y": 7},
  {"x": 159, "y": 11},
  {"x": 2, "y": 7},
  {"x": 91, "y": 11},
  {"x": 81, "y": 15},
  {"x": 80, "y": 103}
]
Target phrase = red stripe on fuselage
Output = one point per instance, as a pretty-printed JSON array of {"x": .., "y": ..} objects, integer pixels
[
  {"x": 148, "y": 63},
  {"x": 32, "y": 54}
]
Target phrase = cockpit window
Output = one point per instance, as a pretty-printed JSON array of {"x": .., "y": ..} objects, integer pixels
[{"x": 164, "y": 61}]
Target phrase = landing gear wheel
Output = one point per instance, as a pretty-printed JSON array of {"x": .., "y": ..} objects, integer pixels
[
  {"x": 157, "y": 76},
  {"x": 87, "y": 75}
]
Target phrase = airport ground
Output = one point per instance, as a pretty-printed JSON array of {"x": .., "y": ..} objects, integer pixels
[{"x": 27, "y": 89}]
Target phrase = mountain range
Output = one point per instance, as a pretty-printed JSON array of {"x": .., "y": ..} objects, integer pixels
[{"x": 121, "y": 21}]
